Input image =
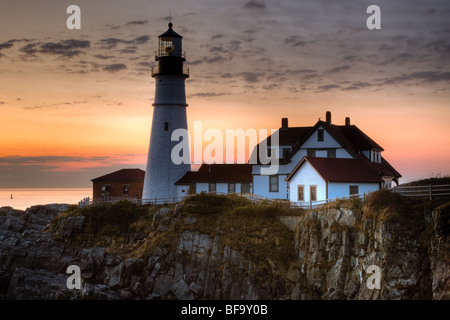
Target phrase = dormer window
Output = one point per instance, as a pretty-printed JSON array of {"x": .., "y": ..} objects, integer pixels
[{"x": 375, "y": 156}]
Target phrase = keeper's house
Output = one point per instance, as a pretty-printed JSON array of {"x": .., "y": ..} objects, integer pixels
[{"x": 322, "y": 162}]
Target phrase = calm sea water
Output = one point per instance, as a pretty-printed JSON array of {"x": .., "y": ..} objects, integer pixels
[{"x": 25, "y": 198}]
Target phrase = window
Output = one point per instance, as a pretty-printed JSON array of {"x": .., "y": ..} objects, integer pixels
[
  {"x": 192, "y": 189},
  {"x": 311, "y": 153},
  {"x": 273, "y": 184},
  {"x": 353, "y": 190},
  {"x": 231, "y": 187},
  {"x": 126, "y": 189},
  {"x": 320, "y": 135},
  {"x": 245, "y": 188},
  {"x": 331, "y": 153},
  {"x": 313, "y": 193},
  {"x": 212, "y": 187},
  {"x": 166, "y": 126},
  {"x": 300, "y": 193}
]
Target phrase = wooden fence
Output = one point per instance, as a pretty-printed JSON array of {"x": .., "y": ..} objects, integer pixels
[{"x": 430, "y": 191}]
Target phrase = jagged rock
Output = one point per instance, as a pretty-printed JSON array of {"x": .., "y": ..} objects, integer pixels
[
  {"x": 115, "y": 276},
  {"x": 334, "y": 249},
  {"x": 162, "y": 285},
  {"x": 180, "y": 289},
  {"x": 162, "y": 219}
]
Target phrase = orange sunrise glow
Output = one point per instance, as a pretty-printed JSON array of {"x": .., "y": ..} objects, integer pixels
[{"x": 79, "y": 102}]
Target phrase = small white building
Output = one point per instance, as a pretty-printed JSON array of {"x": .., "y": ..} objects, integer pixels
[{"x": 318, "y": 179}]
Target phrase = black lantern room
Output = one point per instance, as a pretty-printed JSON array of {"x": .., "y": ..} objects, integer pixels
[{"x": 170, "y": 55}]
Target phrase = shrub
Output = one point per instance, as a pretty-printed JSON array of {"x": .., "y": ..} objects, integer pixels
[
  {"x": 385, "y": 199},
  {"x": 204, "y": 203}
]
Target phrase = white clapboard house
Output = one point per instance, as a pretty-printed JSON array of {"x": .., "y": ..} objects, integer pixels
[{"x": 316, "y": 163}]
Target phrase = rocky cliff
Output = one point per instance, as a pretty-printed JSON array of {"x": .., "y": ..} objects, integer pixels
[{"x": 217, "y": 248}]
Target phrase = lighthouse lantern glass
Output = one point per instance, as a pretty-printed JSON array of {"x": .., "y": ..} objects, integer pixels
[{"x": 169, "y": 46}]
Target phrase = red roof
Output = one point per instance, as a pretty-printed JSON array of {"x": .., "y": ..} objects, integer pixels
[
  {"x": 219, "y": 173},
  {"x": 122, "y": 175},
  {"x": 341, "y": 170}
]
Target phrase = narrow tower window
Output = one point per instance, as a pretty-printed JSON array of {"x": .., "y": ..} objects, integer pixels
[{"x": 166, "y": 126}]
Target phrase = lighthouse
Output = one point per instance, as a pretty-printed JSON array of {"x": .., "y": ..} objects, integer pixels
[{"x": 169, "y": 114}]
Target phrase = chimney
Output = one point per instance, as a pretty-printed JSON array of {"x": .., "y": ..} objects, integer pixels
[
  {"x": 284, "y": 123},
  {"x": 347, "y": 121},
  {"x": 328, "y": 117}
]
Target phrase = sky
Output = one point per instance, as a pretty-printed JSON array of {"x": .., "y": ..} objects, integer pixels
[{"x": 75, "y": 104}]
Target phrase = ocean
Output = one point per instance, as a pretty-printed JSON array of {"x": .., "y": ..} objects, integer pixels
[{"x": 25, "y": 198}]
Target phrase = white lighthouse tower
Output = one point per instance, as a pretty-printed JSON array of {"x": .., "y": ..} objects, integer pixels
[{"x": 169, "y": 114}]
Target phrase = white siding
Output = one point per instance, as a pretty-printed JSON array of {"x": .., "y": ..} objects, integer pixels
[
  {"x": 201, "y": 186},
  {"x": 306, "y": 175},
  {"x": 341, "y": 189},
  {"x": 328, "y": 141},
  {"x": 222, "y": 187},
  {"x": 180, "y": 193},
  {"x": 342, "y": 153},
  {"x": 261, "y": 187}
]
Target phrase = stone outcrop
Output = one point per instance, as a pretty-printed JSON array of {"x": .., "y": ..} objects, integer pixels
[{"x": 334, "y": 247}]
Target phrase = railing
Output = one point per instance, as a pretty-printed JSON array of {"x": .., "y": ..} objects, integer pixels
[
  {"x": 155, "y": 70},
  {"x": 429, "y": 191},
  {"x": 320, "y": 203}
]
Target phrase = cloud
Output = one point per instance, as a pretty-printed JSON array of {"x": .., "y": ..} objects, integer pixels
[
  {"x": 6, "y": 45},
  {"x": 357, "y": 85},
  {"x": 114, "y": 67},
  {"x": 339, "y": 69},
  {"x": 250, "y": 76},
  {"x": 217, "y": 36},
  {"x": 207, "y": 94},
  {"x": 103, "y": 57},
  {"x": 137, "y": 22},
  {"x": 110, "y": 43},
  {"x": 296, "y": 41},
  {"x": 253, "y": 4},
  {"x": 328, "y": 87},
  {"x": 63, "y": 48},
  {"x": 425, "y": 76}
]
